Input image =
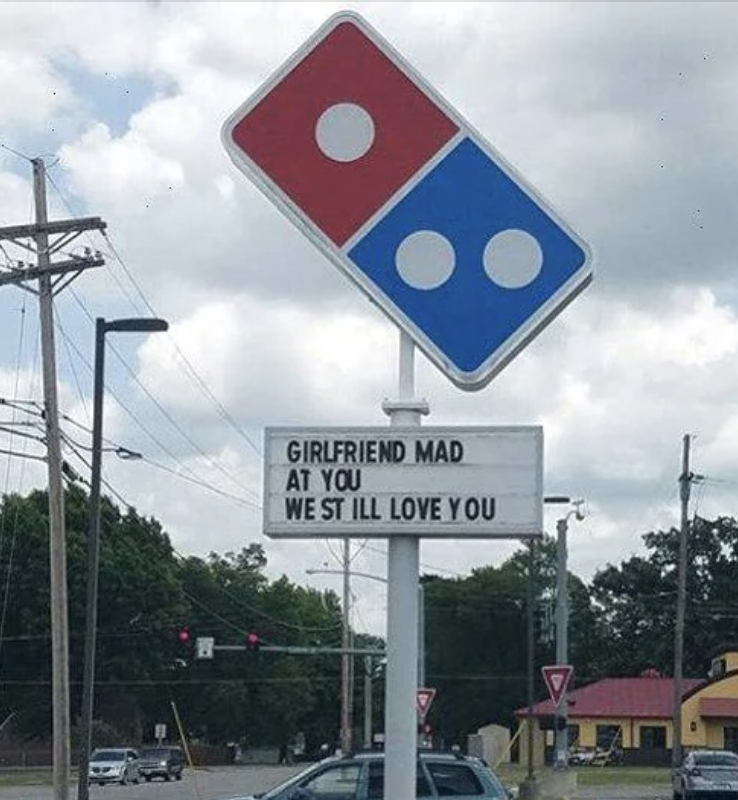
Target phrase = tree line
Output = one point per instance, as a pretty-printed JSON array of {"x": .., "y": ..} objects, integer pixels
[{"x": 621, "y": 623}]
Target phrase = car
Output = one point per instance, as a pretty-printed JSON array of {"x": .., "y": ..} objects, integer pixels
[
  {"x": 161, "y": 761},
  {"x": 706, "y": 774},
  {"x": 114, "y": 765},
  {"x": 360, "y": 776}
]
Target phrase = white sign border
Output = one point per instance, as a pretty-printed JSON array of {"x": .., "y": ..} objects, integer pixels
[
  {"x": 497, "y": 360},
  {"x": 313, "y": 530}
]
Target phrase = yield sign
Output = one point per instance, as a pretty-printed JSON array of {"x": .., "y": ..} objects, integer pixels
[
  {"x": 424, "y": 700},
  {"x": 557, "y": 677}
]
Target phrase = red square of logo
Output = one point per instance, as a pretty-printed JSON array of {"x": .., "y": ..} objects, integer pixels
[{"x": 342, "y": 131}]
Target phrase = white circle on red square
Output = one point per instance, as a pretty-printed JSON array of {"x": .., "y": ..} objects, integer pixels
[
  {"x": 512, "y": 259},
  {"x": 425, "y": 260},
  {"x": 278, "y": 132},
  {"x": 345, "y": 132}
]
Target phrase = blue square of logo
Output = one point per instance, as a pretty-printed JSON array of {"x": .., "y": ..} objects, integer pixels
[{"x": 471, "y": 258}]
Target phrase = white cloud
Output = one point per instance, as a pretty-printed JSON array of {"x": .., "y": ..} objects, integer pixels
[{"x": 633, "y": 145}]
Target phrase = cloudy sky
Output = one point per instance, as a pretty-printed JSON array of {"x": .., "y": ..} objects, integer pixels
[{"x": 622, "y": 115}]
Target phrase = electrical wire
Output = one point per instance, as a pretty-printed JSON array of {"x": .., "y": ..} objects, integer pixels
[
  {"x": 111, "y": 445},
  {"x": 183, "y": 433},
  {"x": 21, "y": 476},
  {"x": 15, "y": 152},
  {"x": 189, "y": 368}
]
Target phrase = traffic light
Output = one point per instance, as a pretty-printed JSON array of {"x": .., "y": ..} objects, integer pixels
[
  {"x": 253, "y": 642},
  {"x": 185, "y": 642}
]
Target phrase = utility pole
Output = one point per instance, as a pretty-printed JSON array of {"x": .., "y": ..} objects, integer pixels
[
  {"x": 52, "y": 277},
  {"x": 685, "y": 484}
]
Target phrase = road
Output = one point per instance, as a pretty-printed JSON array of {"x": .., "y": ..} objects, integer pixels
[
  {"x": 218, "y": 783},
  {"x": 223, "y": 783}
]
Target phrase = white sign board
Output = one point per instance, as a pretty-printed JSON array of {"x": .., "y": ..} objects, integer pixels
[{"x": 439, "y": 482}]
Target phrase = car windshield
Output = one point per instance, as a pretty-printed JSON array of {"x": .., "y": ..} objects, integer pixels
[
  {"x": 280, "y": 787},
  {"x": 716, "y": 760},
  {"x": 154, "y": 752},
  {"x": 108, "y": 755}
]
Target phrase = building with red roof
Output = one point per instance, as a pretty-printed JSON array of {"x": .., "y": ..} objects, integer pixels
[{"x": 633, "y": 716}]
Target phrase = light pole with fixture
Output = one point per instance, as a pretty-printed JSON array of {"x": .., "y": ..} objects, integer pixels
[
  {"x": 102, "y": 327},
  {"x": 561, "y": 744}
]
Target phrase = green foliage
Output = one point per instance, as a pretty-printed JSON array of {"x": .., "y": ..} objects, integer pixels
[{"x": 476, "y": 630}]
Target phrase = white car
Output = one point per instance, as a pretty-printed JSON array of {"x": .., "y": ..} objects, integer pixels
[
  {"x": 707, "y": 775},
  {"x": 114, "y": 765}
]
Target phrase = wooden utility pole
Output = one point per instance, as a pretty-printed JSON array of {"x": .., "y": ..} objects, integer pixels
[
  {"x": 52, "y": 277},
  {"x": 685, "y": 483}
]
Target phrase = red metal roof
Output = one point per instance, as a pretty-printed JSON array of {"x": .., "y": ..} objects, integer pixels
[
  {"x": 718, "y": 707},
  {"x": 640, "y": 698}
]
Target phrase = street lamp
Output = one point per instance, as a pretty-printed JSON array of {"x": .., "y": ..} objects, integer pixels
[
  {"x": 102, "y": 327},
  {"x": 561, "y": 747}
]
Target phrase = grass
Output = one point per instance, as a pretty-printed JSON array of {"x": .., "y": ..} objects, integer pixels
[
  {"x": 25, "y": 777},
  {"x": 513, "y": 774}
]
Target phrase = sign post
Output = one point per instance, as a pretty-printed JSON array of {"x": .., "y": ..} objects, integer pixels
[{"x": 404, "y": 196}]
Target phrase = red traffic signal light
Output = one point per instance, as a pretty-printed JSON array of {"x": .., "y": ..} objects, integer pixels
[
  {"x": 183, "y": 636},
  {"x": 253, "y": 642}
]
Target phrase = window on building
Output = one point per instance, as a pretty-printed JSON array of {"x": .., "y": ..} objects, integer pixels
[
  {"x": 653, "y": 737},
  {"x": 573, "y": 734},
  {"x": 609, "y": 736}
]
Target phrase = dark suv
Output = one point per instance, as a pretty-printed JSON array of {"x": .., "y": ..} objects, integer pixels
[
  {"x": 161, "y": 761},
  {"x": 440, "y": 775}
]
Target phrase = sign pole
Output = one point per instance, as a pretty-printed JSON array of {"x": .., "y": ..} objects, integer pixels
[{"x": 401, "y": 735}]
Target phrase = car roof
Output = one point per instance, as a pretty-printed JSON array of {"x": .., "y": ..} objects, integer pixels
[{"x": 424, "y": 753}]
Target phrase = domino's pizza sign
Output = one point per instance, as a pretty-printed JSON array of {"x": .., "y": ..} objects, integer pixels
[{"x": 406, "y": 198}]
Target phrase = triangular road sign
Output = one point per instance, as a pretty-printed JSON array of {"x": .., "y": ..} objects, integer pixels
[
  {"x": 557, "y": 677},
  {"x": 424, "y": 700}
]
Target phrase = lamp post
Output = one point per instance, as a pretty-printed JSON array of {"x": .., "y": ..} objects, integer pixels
[
  {"x": 561, "y": 748},
  {"x": 102, "y": 327},
  {"x": 421, "y": 639}
]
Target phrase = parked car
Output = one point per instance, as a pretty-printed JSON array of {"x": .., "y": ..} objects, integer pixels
[
  {"x": 162, "y": 761},
  {"x": 114, "y": 765},
  {"x": 361, "y": 777},
  {"x": 707, "y": 774},
  {"x": 581, "y": 756}
]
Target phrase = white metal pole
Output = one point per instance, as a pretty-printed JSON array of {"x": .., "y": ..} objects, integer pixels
[
  {"x": 345, "y": 664},
  {"x": 401, "y": 731}
]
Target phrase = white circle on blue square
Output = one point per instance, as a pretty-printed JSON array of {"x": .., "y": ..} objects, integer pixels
[{"x": 469, "y": 257}]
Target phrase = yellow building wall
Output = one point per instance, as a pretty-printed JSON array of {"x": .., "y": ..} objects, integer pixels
[
  {"x": 698, "y": 732},
  {"x": 630, "y": 730}
]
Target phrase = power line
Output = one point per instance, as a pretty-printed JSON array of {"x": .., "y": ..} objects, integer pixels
[
  {"x": 190, "y": 369},
  {"x": 183, "y": 433}
]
